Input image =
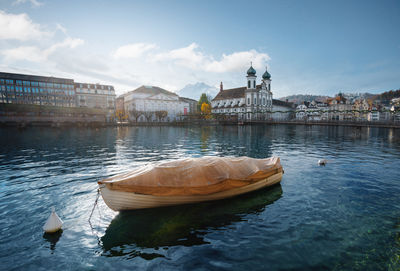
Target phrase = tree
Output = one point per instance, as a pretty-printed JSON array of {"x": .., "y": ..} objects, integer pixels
[
  {"x": 206, "y": 110},
  {"x": 135, "y": 114},
  {"x": 203, "y": 99},
  {"x": 160, "y": 115},
  {"x": 148, "y": 115},
  {"x": 120, "y": 115}
]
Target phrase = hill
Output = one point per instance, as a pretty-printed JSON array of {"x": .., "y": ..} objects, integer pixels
[
  {"x": 299, "y": 98},
  {"x": 386, "y": 96}
]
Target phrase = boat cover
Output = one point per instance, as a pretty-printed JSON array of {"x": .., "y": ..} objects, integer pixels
[{"x": 194, "y": 176}]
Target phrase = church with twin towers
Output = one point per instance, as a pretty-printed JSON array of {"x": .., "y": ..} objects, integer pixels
[{"x": 252, "y": 102}]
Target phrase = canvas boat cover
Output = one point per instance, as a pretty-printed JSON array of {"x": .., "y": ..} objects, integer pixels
[{"x": 194, "y": 176}]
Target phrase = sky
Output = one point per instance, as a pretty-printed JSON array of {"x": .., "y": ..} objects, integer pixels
[{"x": 310, "y": 47}]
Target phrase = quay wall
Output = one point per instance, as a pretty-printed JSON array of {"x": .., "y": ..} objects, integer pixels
[{"x": 24, "y": 115}]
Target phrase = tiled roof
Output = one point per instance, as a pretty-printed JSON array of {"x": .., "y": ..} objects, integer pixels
[
  {"x": 187, "y": 99},
  {"x": 338, "y": 98},
  {"x": 153, "y": 90},
  {"x": 232, "y": 93},
  {"x": 282, "y": 103}
]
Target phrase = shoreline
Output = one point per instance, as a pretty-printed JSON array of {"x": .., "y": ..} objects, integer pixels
[{"x": 56, "y": 124}]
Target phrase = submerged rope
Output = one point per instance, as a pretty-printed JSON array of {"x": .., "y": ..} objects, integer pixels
[{"x": 91, "y": 214}]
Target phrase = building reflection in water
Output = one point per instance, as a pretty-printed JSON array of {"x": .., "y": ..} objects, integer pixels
[
  {"x": 205, "y": 135},
  {"x": 180, "y": 225}
]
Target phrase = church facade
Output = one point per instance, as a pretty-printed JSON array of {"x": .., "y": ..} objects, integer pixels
[{"x": 253, "y": 102}]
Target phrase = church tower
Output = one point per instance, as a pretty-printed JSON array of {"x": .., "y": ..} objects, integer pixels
[
  {"x": 251, "y": 78},
  {"x": 267, "y": 79},
  {"x": 251, "y": 93},
  {"x": 266, "y": 84}
]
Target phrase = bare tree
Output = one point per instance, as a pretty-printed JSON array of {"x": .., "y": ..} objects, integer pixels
[
  {"x": 135, "y": 114},
  {"x": 160, "y": 115},
  {"x": 148, "y": 115}
]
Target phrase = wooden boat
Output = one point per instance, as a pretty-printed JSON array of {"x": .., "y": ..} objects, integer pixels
[{"x": 189, "y": 180}]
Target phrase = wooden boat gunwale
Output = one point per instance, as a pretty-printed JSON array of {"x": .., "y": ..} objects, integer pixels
[{"x": 121, "y": 200}]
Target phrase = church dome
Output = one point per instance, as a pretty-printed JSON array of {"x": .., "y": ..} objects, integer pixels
[
  {"x": 266, "y": 75},
  {"x": 251, "y": 71}
]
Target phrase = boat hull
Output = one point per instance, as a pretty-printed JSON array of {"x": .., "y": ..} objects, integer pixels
[{"x": 120, "y": 200}]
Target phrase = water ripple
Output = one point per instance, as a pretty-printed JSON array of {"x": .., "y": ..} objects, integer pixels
[{"x": 343, "y": 216}]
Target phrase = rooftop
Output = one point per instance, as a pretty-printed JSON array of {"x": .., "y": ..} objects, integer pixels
[
  {"x": 232, "y": 93},
  {"x": 17, "y": 76},
  {"x": 152, "y": 90}
]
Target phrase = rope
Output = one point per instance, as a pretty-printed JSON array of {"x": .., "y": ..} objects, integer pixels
[{"x": 95, "y": 203}]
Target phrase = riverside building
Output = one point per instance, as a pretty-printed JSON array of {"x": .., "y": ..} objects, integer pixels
[
  {"x": 253, "y": 102},
  {"x": 53, "y": 91},
  {"x": 147, "y": 102},
  {"x": 39, "y": 90},
  {"x": 95, "y": 96}
]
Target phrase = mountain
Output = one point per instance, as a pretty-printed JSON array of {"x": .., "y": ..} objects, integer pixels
[{"x": 194, "y": 91}]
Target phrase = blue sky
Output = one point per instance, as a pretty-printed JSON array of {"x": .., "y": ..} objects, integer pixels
[{"x": 313, "y": 47}]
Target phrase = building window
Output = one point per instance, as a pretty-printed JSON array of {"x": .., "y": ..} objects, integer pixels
[
  {"x": 254, "y": 84},
  {"x": 248, "y": 100},
  {"x": 263, "y": 100},
  {"x": 248, "y": 84},
  {"x": 255, "y": 100}
]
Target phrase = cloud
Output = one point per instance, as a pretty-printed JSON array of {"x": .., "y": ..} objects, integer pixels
[
  {"x": 29, "y": 53},
  {"x": 187, "y": 56},
  {"x": 61, "y": 28},
  {"x": 191, "y": 57},
  {"x": 134, "y": 50},
  {"x": 238, "y": 61},
  {"x": 35, "y": 54},
  {"x": 67, "y": 43},
  {"x": 19, "y": 27},
  {"x": 34, "y": 3}
]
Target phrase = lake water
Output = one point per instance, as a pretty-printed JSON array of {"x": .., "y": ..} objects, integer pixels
[{"x": 342, "y": 216}]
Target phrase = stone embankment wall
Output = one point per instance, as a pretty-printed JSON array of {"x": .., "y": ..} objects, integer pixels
[{"x": 22, "y": 115}]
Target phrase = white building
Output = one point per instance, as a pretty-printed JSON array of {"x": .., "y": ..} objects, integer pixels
[
  {"x": 253, "y": 102},
  {"x": 314, "y": 111},
  {"x": 147, "y": 103},
  {"x": 340, "y": 108},
  {"x": 301, "y": 113},
  {"x": 373, "y": 115}
]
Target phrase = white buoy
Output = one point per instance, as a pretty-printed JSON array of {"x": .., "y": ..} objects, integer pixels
[
  {"x": 53, "y": 223},
  {"x": 322, "y": 162}
]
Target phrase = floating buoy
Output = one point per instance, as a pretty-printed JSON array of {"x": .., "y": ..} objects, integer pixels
[
  {"x": 53, "y": 223},
  {"x": 322, "y": 162}
]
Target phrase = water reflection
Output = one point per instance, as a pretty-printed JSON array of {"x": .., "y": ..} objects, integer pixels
[
  {"x": 182, "y": 225},
  {"x": 205, "y": 134},
  {"x": 53, "y": 238}
]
